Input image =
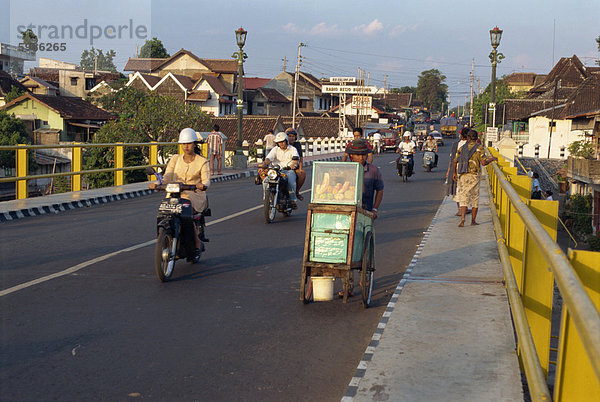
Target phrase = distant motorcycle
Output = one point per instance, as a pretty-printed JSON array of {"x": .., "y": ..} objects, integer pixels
[
  {"x": 428, "y": 160},
  {"x": 276, "y": 195},
  {"x": 403, "y": 165},
  {"x": 174, "y": 226}
]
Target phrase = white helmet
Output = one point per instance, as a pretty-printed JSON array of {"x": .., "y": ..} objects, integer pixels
[
  {"x": 407, "y": 134},
  {"x": 187, "y": 135},
  {"x": 281, "y": 136}
]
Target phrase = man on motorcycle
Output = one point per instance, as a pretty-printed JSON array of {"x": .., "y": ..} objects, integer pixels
[
  {"x": 190, "y": 168},
  {"x": 407, "y": 145},
  {"x": 300, "y": 173},
  {"x": 283, "y": 155},
  {"x": 377, "y": 142},
  {"x": 431, "y": 145}
]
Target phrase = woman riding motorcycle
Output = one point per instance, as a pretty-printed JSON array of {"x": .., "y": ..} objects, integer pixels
[{"x": 190, "y": 168}]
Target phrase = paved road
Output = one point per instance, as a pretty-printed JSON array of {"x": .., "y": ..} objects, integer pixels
[{"x": 229, "y": 328}]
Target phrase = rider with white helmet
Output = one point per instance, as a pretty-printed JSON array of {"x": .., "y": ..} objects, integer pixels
[
  {"x": 284, "y": 155},
  {"x": 190, "y": 168},
  {"x": 407, "y": 145}
]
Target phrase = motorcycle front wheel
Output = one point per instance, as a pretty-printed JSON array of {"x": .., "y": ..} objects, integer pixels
[
  {"x": 162, "y": 255},
  {"x": 269, "y": 207},
  {"x": 404, "y": 173}
]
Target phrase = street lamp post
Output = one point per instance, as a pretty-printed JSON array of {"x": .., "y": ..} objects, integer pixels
[
  {"x": 495, "y": 58},
  {"x": 239, "y": 159}
]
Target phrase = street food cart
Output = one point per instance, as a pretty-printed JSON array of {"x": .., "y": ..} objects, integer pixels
[{"x": 339, "y": 232}]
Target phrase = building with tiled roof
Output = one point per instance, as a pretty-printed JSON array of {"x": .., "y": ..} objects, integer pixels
[
  {"x": 395, "y": 101},
  {"x": 253, "y": 128},
  {"x": 520, "y": 82},
  {"x": 219, "y": 101},
  {"x": 66, "y": 118},
  {"x": 39, "y": 86},
  {"x": 143, "y": 65},
  {"x": 253, "y": 83},
  {"x": 6, "y": 85},
  {"x": 267, "y": 101}
]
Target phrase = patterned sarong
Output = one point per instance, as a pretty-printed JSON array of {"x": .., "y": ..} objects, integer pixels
[{"x": 467, "y": 190}]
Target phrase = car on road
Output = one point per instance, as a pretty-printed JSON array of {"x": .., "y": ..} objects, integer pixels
[
  {"x": 438, "y": 138},
  {"x": 389, "y": 139}
]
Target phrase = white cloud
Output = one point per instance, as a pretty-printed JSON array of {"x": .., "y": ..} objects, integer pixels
[
  {"x": 400, "y": 29},
  {"x": 391, "y": 66},
  {"x": 290, "y": 27},
  {"x": 369, "y": 29},
  {"x": 323, "y": 29}
]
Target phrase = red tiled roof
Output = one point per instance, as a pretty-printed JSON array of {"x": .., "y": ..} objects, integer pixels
[
  {"x": 273, "y": 95},
  {"x": 251, "y": 83},
  {"x": 217, "y": 85},
  {"x": 144, "y": 65},
  {"x": 7, "y": 82},
  {"x": 253, "y": 128},
  {"x": 519, "y": 109},
  {"x": 586, "y": 100},
  {"x": 221, "y": 65},
  {"x": 70, "y": 108},
  {"x": 395, "y": 101},
  {"x": 39, "y": 81},
  {"x": 520, "y": 79},
  {"x": 186, "y": 81},
  {"x": 199, "y": 96}
]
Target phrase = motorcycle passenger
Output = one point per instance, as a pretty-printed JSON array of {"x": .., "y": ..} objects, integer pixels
[
  {"x": 283, "y": 155},
  {"x": 300, "y": 173},
  {"x": 431, "y": 145},
  {"x": 190, "y": 168},
  {"x": 409, "y": 146}
]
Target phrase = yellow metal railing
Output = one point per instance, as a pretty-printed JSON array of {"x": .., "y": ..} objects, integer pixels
[
  {"x": 533, "y": 262},
  {"x": 22, "y": 174}
]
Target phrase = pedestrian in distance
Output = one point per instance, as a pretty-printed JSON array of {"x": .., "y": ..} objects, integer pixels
[
  {"x": 536, "y": 191},
  {"x": 451, "y": 184},
  {"x": 215, "y": 149},
  {"x": 357, "y": 134},
  {"x": 269, "y": 141},
  {"x": 467, "y": 171}
]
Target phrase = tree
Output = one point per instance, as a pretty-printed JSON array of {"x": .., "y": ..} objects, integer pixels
[
  {"x": 153, "y": 48},
  {"x": 502, "y": 92},
  {"x": 13, "y": 94},
  {"x": 141, "y": 118},
  {"x": 404, "y": 90},
  {"x": 29, "y": 40},
  {"x": 598, "y": 42},
  {"x": 13, "y": 132},
  {"x": 431, "y": 89},
  {"x": 95, "y": 59}
]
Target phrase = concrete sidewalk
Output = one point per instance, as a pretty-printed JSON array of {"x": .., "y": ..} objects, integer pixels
[
  {"x": 54, "y": 203},
  {"x": 446, "y": 334}
]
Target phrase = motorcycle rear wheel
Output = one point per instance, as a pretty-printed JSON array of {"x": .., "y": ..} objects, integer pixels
[
  {"x": 428, "y": 168},
  {"x": 164, "y": 244},
  {"x": 269, "y": 207},
  {"x": 404, "y": 173}
]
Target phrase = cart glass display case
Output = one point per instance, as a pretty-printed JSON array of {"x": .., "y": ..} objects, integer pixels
[{"x": 337, "y": 183}]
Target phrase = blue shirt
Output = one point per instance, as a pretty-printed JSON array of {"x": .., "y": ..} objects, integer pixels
[{"x": 372, "y": 182}]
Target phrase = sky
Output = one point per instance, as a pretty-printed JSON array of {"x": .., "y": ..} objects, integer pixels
[{"x": 392, "y": 40}]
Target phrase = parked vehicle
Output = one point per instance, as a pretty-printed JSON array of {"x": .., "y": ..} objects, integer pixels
[
  {"x": 389, "y": 139},
  {"x": 438, "y": 138},
  {"x": 428, "y": 160},
  {"x": 175, "y": 228},
  {"x": 276, "y": 195},
  {"x": 421, "y": 129}
]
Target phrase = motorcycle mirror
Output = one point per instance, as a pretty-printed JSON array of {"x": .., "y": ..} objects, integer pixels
[{"x": 150, "y": 171}]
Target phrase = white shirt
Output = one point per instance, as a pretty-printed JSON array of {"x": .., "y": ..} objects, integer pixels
[
  {"x": 407, "y": 146},
  {"x": 282, "y": 158},
  {"x": 376, "y": 137}
]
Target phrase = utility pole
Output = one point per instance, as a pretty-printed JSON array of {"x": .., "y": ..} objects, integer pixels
[
  {"x": 284, "y": 61},
  {"x": 384, "y": 86},
  {"x": 296, "y": 85},
  {"x": 471, "y": 106}
]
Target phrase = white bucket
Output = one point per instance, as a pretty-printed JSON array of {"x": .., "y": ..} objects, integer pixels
[{"x": 322, "y": 288}]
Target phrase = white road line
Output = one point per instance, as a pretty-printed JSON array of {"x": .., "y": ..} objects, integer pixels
[{"x": 85, "y": 264}]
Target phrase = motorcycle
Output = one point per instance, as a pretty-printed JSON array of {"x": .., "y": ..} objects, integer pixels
[
  {"x": 174, "y": 227},
  {"x": 428, "y": 160},
  {"x": 403, "y": 165},
  {"x": 276, "y": 195}
]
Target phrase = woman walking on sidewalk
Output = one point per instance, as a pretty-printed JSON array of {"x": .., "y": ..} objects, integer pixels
[{"x": 467, "y": 171}]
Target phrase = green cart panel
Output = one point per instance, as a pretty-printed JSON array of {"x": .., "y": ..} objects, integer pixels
[{"x": 329, "y": 237}]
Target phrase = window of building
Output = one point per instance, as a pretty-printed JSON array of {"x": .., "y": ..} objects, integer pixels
[
  {"x": 302, "y": 103},
  {"x": 73, "y": 81},
  {"x": 552, "y": 124},
  {"x": 260, "y": 104},
  {"x": 89, "y": 83}
]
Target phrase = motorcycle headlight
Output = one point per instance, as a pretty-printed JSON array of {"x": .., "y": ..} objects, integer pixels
[
  {"x": 272, "y": 174},
  {"x": 173, "y": 188}
]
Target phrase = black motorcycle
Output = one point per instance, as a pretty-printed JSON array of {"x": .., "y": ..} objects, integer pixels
[
  {"x": 276, "y": 195},
  {"x": 403, "y": 165},
  {"x": 175, "y": 228}
]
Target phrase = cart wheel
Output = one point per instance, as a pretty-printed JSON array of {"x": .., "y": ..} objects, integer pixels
[
  {"x": 306, "y": 289},
  {"x": 367, "y": 268}
]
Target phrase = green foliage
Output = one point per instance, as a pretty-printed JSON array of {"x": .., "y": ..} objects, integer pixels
[
  {"x": 582, "y": 148},
  {"x": 13, "y": 132},
  {"x": 594, "y": 243},
  {"x": 580, "y": 212},
  {"x": 62, "y": 184},
  {"x": 29, "y": 40},
  {"x": 404, "y": 90},
  {"x": 13, "y": 94},
  {"x": 502, "y": 92},
  {"x": 598, "y": 42},
  {"x": 153, "y": 48},
  {"x": 141, "y": 118},
  {"x": 104, "y": 61},
  {"x": 431, "y": 89}
]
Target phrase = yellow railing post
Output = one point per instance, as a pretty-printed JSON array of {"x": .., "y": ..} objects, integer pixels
[
  {"x": 76, "y": 167},
  {"x": 179, "y": 149},
  {"x": 22, "y": 171},
  {"x": 153, "y": 156},
  {"x": 119, "y": 174}
]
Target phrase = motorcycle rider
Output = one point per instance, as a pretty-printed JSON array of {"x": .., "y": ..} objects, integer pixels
[
  {"x": 409, "y": 146},
  {"x": 377, "y": 142},
  {"x": 431, "y": 145},
  {"x": 300, "y": 173},
  {"x": 190, "y": 168},
  {"x": 283, "y": 155}
]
